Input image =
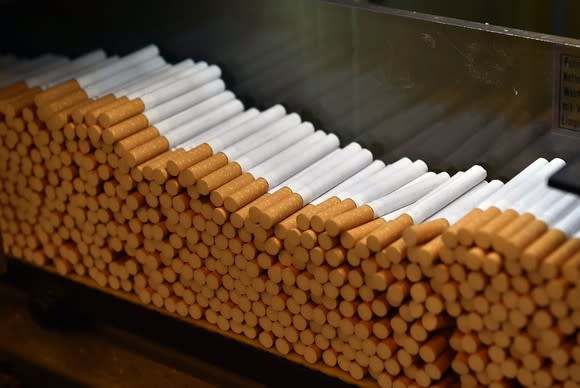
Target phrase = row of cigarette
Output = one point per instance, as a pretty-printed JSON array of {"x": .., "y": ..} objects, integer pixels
[{"x": 154, "y": 179}]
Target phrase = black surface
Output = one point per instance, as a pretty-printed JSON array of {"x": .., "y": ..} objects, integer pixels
[{"x": 567, "y": 178}]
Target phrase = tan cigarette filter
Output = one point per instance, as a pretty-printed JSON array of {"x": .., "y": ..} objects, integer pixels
[
  {"x": 239, "y": 218},
  {"x": 256, "y": 210},
  {"x": 450, "y": 236},
  {"x": 56, "y": 92},
  {"x": 157, "y": 162},
  {"x": 388, "y": 233},
  {"x": 14, "y": 89},
  {"x": 218, "y": 195},
  {"x": 283, "y": 227},
  {"x": 427, "y": 253},
  {"x": 59, "y": 119},
  {"x": 484, "y": 235},
  {"x": 45, "y": 111},
  {"x": 303, "y": 219},
  {"x": 466, "y": 233},
  {"x": 542, "y": 247},
  {"x": 280, "y": 210},
  {"x": 500, "y": 240},
  {"x": 121, "y": 113},
  {"x": 218, "y": 178},
  {"x": 147, "y": 151},
  {"x": 349, "y": 238},
  {"x": 12, "y": 107},
  {"x": 318, "y": 221},
  {"x": 123, "y": 147},
  {"x": 246, "y": 194},
  {"x": 95, "y": 132},
  {"x": 418, "y": 234},
  {"x": 550, "y": 266},
  {"x": 78, "y": 113},
  {"x": 349, "y": 220},
  {"x": 528, "y": 234},
  {"x": 125, "y": 128},
  {"x": 92, "y": 115},
  {"x": 191, "y": 175}
]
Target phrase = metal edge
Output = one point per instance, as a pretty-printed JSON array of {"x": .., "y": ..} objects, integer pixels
[{"x": 484, "y": 27}]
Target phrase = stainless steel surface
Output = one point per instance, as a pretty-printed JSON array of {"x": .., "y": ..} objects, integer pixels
[{"x": 449, "y": 91}]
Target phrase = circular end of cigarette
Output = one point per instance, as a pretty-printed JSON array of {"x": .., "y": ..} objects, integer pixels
[
  {"x": 273, "y": 245},
  {"x": 303, "y": 221},
  {"x": 362, "y": 249},
  {"x": 308, "y": 239},
  {"x": 56, "y": 121},
  {"x": 246, "y": 194},
  {"x": 160, "y": 175},
  {"x": 220, "y": 215},
  {"x": 94, "y": 132},
  {"x": 326, "y": 241}
]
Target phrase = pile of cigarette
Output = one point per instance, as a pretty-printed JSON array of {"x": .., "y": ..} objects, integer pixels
[{"x": 155, "y": 180}]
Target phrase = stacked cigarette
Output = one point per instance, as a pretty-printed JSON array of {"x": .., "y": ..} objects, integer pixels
[
  {"x": 514, "y": 273},
  {"x": 152, "y": 178}
]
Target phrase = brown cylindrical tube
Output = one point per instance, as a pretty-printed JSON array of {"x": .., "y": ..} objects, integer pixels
[
  {"x": 218, "y": 195},
  {"x": 484, "y": 236},
  {"x": 500, "y": 241},
  {"x": 147, "y": 151},
  {"x": 78, "y": 113},
  {"x": 303, "y": 220},
  {"x": 94, "y": 132},
  {"x": 156, "y": 163},
  {"x": 190, "y": 158},
  {"x": 542, "y": 247},
  {"x": 125, "y": 129},
  {"x": 218, "y": 178},
  {"x": 421, "y": 233},
  {"x": 318, "y": 221},
  {"x": 393, "y": 254},
  {"x": 246, "y": 194},
  {"x": 14, "y": 89},
  {"x": 283, "y": 227},
  {"x": 278, "y": 211},
  {"x": 467, "y": 232},
  {"x": 66, "y": 101},
  {"x": 388, "y": 233},
  {"x": 517, "y": 242},
  {"x": 92, "y": 115},
  {"x": 349, "y": 238},
  {"x": 12, "y": 107},
  {"x": 124, "y": 112},
  {"x": 256, "y": 210},
  {"x": 349, "y": 220},
  {"x": 191, "y": 175},
  {"x": 59, "y": 119},
  {"x": 552, "y": 264},
  {"x": 240, "y": 216},
  {"x": 433, "y": 348},
  {"x": 55, "y": 92}
]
